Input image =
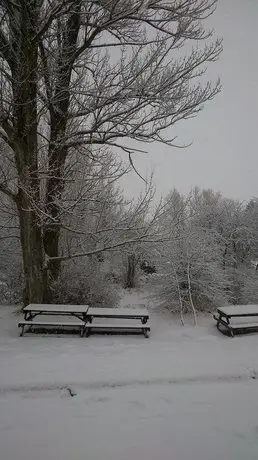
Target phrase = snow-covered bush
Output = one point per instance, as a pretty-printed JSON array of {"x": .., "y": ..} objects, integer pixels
[
  {"x": 86, "y": 282},
  {"x": 190, "y": 274},
  {"x": 11, "y": 292}
]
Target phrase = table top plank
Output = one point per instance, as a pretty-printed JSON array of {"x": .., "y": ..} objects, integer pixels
[
  {"x": 52, "y": 308},
  {"x": 239, "y": 310},
  {"x": 118, "y": 312}
]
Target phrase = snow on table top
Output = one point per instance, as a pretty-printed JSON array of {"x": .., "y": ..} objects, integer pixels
[
  {"x": 239, "y": 310},
  {"x": 57, "y": 308},
  {"x": 118, "y": 312}
]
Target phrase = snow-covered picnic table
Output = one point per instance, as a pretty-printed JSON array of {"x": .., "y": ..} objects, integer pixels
[
  {"x": 84, "y": 318},
  {"x": 118, "y": 313},
  {"x": 236, "y": 318},
  {"x": 77, "y": 312}
]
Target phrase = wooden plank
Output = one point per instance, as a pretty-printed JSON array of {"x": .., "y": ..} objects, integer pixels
[
  {"x": 55, "y": 308},
  {"x": 118, "y": 313},
  {"x": 119, "y": 327},
  {"x": 116, "y": 326},
  {"x": 238, "y": 310},
  {"x": 51, "y": 323},
  {"x": 244, "y": 326},
  {"x": 243, "y": 320}
]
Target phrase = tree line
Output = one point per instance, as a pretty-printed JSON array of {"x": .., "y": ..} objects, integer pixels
[{"x": 192, "y": 252}]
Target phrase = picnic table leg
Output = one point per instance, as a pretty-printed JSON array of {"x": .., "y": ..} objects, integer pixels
[
  {"x": 224, "y": 320},
  {"x": 87, "y": 331},
  {"x": 28, "y": 316},
  {"x": 22, "y": 331},
  {"x": 231, "y": 332},
  {"x": 218, "y": 322},
  {"x": 146, "y": 333}
]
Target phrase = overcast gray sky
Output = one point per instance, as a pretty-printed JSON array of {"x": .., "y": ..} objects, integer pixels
[{"x": 224, "y": 154}]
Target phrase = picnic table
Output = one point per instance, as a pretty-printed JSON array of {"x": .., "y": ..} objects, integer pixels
[
  {"x": 77, "y": 312},
  {"x": 236, "y": 319},
  {"x": 117, "y": 313}
]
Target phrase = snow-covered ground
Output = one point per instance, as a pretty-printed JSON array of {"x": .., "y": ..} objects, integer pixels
[{"x": 185, "y": 393}]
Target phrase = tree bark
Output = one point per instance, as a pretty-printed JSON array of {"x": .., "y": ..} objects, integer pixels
[
  {"x": 224, "y": 257},
  {"x": 36, "y": 289},
  {"x": 180, "y": 298},
  {"x": 190, "y": 290},
  {"x": 130, "y": 274},
  {"x": 57, "y": 153},
  {"x": 24, "y": 83},
  {"x": 52, "y": 230}
]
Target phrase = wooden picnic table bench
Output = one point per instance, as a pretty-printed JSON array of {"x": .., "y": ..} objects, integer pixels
[
  {"x": 236, "y": 319},
  {"x": 78, "y": 312},
  {"x": 32, "y": 325},
  {"x": 117, "y": 313}
]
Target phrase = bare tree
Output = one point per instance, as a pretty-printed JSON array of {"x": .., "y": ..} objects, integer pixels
[
  {"x": 190, "y": 261},
  {"x": 77, "y": 73}
]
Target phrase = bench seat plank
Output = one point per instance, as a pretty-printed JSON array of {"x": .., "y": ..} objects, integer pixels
[
  {"x": 116, "y": 326},
  {"x": 122, "y": 327},
  {"x": 61, "y": 324},
  {"x": 51, "y": 323},
  {"x": 244, "y": 325}
]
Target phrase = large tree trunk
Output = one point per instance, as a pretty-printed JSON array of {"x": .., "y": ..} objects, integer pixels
[
  {"x": 59, "y": 105},
  {"x": 52, "y": 229},
  {"x": 36, "y": 289},
  {"x": 25, "y": 122},
  {"x": 54, "y": 190}
]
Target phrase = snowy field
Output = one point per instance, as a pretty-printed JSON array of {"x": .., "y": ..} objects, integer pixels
[{"x": 185, "y": 393}]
